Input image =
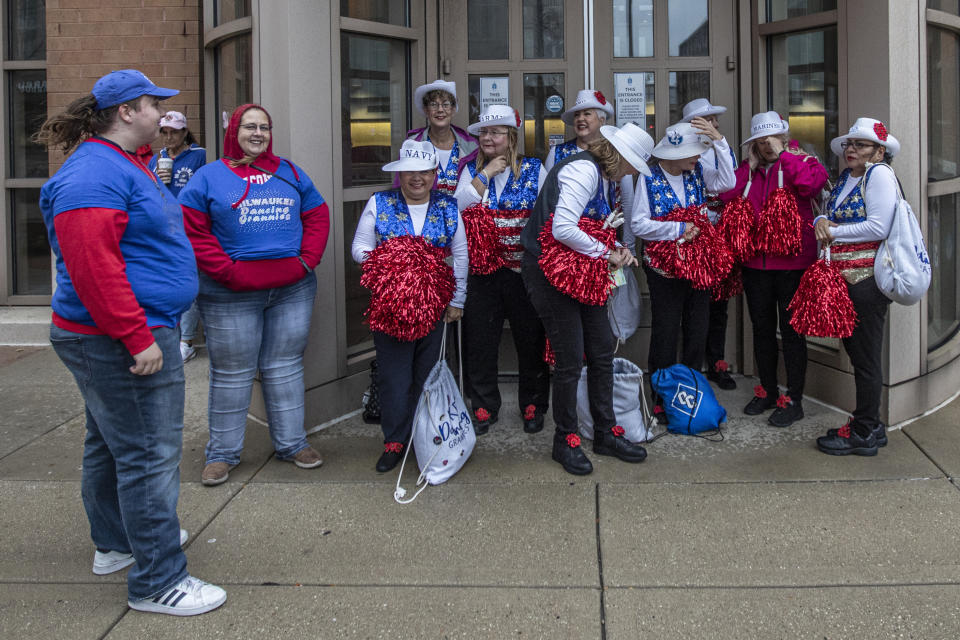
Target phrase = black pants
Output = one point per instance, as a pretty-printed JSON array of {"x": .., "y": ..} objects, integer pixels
[
  {"x": 677, "y": 309},
  {"x": 864, "y": 347},
  {"x": 716, "y": 332},
  {"x": 768, "y": 292},
  {"x": 574, "y": 329},
  {"x": 491, "y": 299},
  {"x": 402, "y": 369}
]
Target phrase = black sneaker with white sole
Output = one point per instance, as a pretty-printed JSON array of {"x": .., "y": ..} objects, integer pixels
[{"x": 189, "y": 597}]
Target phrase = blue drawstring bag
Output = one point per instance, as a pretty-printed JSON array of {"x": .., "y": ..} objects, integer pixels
[{"x": 688, "y": 400}]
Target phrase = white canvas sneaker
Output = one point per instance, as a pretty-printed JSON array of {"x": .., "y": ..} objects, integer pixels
[
  {"x": 105, "y": 563},
  {"x": 189, "y": 597}
]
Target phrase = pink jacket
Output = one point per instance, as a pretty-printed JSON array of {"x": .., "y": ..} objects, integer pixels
[{"x": 804, "y": 176}]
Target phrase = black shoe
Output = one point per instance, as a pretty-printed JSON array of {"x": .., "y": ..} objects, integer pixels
[
  {"x": 532, "y": 419},
  {"x": 760, "y": 402},
  {"x": 786, "y": 413},
  {"x": 567, "y": 451},
  {"x": 391, "y": 456},
  {"x": 719, "y": 376},
  {"x": 846, "y": 441},
  {"x": 482, "y": 420},
  {"x": 612, "y": 443},
  {"x": 879, "y": 432}
]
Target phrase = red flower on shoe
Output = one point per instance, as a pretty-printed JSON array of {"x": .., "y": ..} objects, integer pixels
[
  {"x": 759, "y": 391},
  {"x": 657, "y": 409},
  {"x": 482, "y": 414},
  {"x": 721, "y": 365},
  {"x": 880, "y": 130},
  {"x": 393, "y": 447},
  {"x": 617, "y": 431},
  {"x": 783, "y": 401},
  {"x": 844, "y": 431},
  {"x": 599, "y": 97},
  {"x": 573, "y": 440},
  {"x": 530, "y": 413}
]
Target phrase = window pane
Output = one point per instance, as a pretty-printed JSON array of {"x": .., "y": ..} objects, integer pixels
[
  {"x": 388, "y": 11},
  {"x": 542, "y": 29},
  {"x": 629, "y": 106},
  {"x": 234, "y": 80},
  {"x": 632, "y": 28},
  {"x": 783, "y": 9},
  {"x": 488, "y": 36},
  {"x": 26, "y": 29},
  {"x": 374, "y": 103},
  {"x": 358, "y": 298},
  {"x": 542, "y": 94},
  {"x": 689, "y": 28},
  {"x": 943, "y": 303},
  {"x": 28, "y": 109},
  {"x": 802, "y": 70},
  {"x": 486, "y": 90},
  {"x": 949, "y": 6},
  {"x": 684, "y": 87},
  {"x": 943, "y": 103},
  {"x": 227, "y": 10},
  {"x": 31, "y": 251}
]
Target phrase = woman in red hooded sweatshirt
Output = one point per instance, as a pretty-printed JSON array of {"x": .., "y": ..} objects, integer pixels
[{"x": 258, "y": 227}]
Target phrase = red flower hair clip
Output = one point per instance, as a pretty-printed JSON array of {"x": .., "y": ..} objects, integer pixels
[
  {"x": 599, "y": 97},
  {"x": 573, "y": 440},
  {"x": 759, "y": 391},
  {"x": 517, "y": 113},
  {"x": 880, "y": 130}
]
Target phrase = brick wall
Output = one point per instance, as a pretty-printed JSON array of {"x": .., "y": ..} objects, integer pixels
[{"x": 87, "y": 39}]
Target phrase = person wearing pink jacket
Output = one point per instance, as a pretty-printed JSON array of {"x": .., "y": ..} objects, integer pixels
[{"x": 769, "y": 280}]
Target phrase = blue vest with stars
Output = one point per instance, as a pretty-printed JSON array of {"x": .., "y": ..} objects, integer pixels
[
  {"x": 661, "y": 196},
  {"x": 447, "y": 176},
  {"x": 599, "y": 207},
  {"x": 393, "y": 218},
  {"x": 851, "y": 209},
  {"x": 519, "y": 193},
  {"x": 565, "y": 149}
]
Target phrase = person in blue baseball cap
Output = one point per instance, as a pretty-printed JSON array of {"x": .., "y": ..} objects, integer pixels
[{"x": 125, "y": 273}]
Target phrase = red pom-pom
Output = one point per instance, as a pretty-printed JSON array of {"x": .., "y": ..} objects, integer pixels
[
  {"x": 822, "y": 306},
  {"x": 483, "y": 239},
  {"x": 721, "y": 365},
  {"x": 579, "y": 276},
  {"x": 779, "y": 225},
  {"x": 705, "y": 261},
  {"x": 482, "y": 414},
  {"x": 617, "y": 430},
  {"x": 783, "y": 401},
  {"x": 530, "y": 413},
  {"x": 730, "y": 286},
  {"x": 573, "y": 440},
  {"x": 760, "y": 392},
  {"x": 548, "y": 355},
  {"x": 410, "y": 285},
  {"x": 737, "y": 224},
  {"x": 599, "y": 97}
]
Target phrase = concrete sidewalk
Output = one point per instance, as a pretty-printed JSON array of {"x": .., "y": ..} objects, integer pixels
[{"x": 758, "y": 536}]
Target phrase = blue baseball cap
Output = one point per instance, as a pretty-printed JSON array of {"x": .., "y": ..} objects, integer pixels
[{"x": 121, "y": 86}]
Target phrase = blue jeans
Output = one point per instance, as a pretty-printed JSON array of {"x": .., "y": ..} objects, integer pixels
[
  {"x": 188, "y": 323},
  {"x": 131, "y": 456},
  {"x": 246, "y": 331}
]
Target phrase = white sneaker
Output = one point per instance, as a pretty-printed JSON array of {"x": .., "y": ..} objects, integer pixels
[
  {"x": 190, "y": 597},
  {"x": 112, "y": 561},
  {"x": 187, "y": 352}
]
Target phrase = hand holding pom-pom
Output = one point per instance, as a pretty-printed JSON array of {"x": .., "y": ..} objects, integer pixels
[
  {"x": 822, "y": 306},
  {"x": 579, "y": 276},
  {"x": 705, "y": 261}
]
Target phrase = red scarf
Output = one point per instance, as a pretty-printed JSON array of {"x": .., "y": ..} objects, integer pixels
[{"x": 231, "y": 146}]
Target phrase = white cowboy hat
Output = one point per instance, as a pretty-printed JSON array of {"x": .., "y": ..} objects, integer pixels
[
  {"x": 587, "y": 99},
  {"x": 699, "y": 108},
  {"x": 868, "y": 129},
  {"x": 768, "y": 123},
  {"x": 681, "y": 141},
  {"x": 633, "y": 143},
  {"x": 414, "y": 156},
  {"x": 496, "y": 115},
  {"x": 436, "y": 85}
]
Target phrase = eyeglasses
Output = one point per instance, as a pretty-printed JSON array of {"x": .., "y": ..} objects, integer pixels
[
  {"x": 252, "y": 128},
  {"x": 437, "y": 106},
  {"x": 493, "y": 133},
  {"x": 859, "y": 145}
]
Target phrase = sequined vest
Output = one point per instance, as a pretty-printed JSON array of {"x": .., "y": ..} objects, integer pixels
[
  {"x": 855, "y": 259},
  {"x": 565, "y": 149},
  {"x": 447, "y": 176},
  {"x": 393, "y": 218},
  {"x": 661, "y": 196},
  {"x": 513, "y": 206}
]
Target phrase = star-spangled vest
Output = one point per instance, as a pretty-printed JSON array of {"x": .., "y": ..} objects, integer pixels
[
  {"x": 447, "y": 176},
  {"x": 855, "y": 259},
  {"x": 599, "y": 206},
  {"x": 513, "y": 206},
  {"x": 565, "y": 149},
  {"x": 393, "y": 218},
  {"x": 661, "y": 196}
]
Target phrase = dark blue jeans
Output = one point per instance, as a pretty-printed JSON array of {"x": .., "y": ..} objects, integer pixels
[{"x": 131, "y": 456}]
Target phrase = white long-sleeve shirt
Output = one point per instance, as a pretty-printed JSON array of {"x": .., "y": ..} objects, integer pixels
[
  {"x": 578, "y": 181},
  {"x": 365, "y": 240},
  {"x": 880, "y": 200},
  {"x": 467, "y": 195},
  {"x": 718, "y": 176}
]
